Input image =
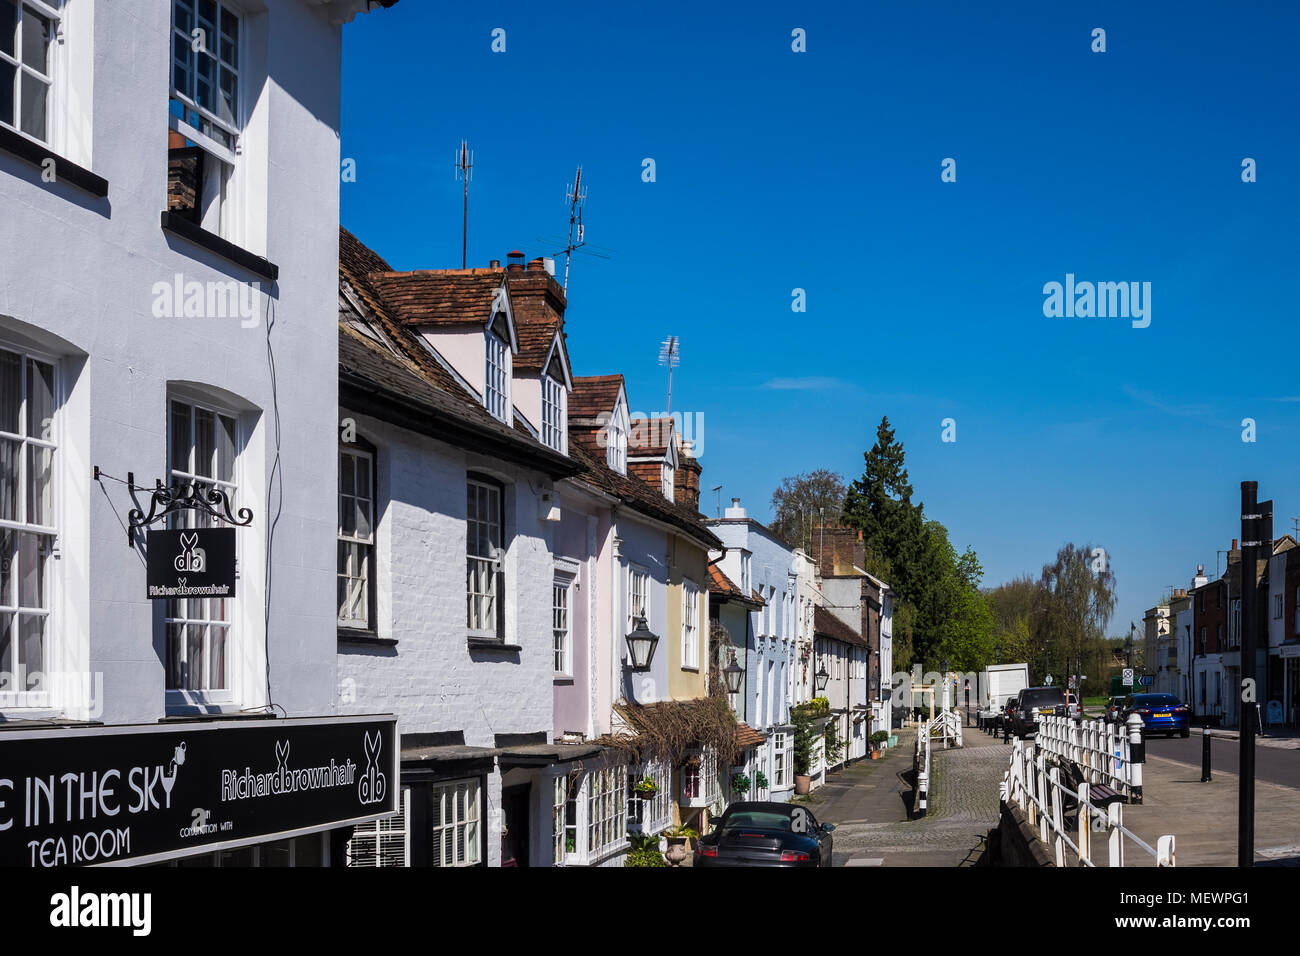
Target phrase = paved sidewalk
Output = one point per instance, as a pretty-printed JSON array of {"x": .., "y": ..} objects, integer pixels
[
  {"x": 1203, "y": 817},
  {"x": 869, "y": 803}
]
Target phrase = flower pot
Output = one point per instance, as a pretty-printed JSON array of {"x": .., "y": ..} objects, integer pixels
[
  {"x": 893, "y": 740},
  {"x": 802, "y": 783},
  {"x": 676, "y": 852},
  {"x": 875, "y": 755}
]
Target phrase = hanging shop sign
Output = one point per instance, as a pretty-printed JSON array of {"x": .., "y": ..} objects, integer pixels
[
  {"x": 197, "y": 562},
  {"x": 145, "y": 793}
]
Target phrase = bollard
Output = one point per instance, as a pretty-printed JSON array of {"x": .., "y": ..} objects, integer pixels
[
  {"x": 1136, "y": 756},
  {"x": 1205, "y": 755},
  {"x": 1006, "y": 729}
]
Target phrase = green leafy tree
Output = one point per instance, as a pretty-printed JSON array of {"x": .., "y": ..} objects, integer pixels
[{"x": 803, "y": 501}]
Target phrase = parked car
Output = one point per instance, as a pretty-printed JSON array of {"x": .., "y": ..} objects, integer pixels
[
  {"x": 1113, "y": 708},
  {"x": 758, "y": 833},
  {"x": 1035, "y": 702},
  {"x": 1072, "y": 704},
  {"x": 1159, "y": 713}
]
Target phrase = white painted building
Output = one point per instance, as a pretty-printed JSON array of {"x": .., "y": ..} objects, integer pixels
[
  {"x": 451, "y": 599},
  {"x": 139, "y": 323}
]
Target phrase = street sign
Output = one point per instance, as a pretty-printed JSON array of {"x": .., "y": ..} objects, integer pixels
[
  {"x": 1074, "y": 681},
  {"x": 1147, "y": 680},
  {"x": 1048, "y": 680},
  {"x": 1128, "y": 677}
]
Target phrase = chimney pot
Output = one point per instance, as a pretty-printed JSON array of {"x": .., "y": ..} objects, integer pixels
[
  {"x": 1234, "y": 544},
  {"x": 515, "y": 260},
  {"x": 494, "y": 264},
  {"x": 537, "y": 265}
]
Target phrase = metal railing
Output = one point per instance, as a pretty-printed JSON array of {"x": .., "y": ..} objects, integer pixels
[
  {"x": 1102, "y": 750},
  {"x": 1035, "y": 787},
  {"x": 947, "y": 726},
  {"x": 921, "y": 770}
]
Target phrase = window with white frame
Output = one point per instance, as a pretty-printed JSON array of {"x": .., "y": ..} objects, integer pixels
[
  {"x": 649, "y": 811},
  {"x": 561, "y": 838},
  {"x": 690, "y": 625},
  {"x": 761, "y": 790},
  {"x": 638, "y": 587},
  {"x": 1234, "y": 623},
  {"x": 1277, "y": 607},
  {"x": 606, "y": 809},
  {"x": 700, "y": 777},
  {"x": 744, "y": 572},
  {"x": 455, "y": 823},
  {"x": 356, "y": 539},
  {"x": 561, "y": 644},
  {"x": 204, "y": 115},
  {"x": 616, "y": 440},
  {"x": 385, "y": 842},
  {"x": 205, "y": 444},
  {"x": 496, "y": 390},
  {"x": 484, "y": 558},
  {"x": 668, "y": 481},
  {"x": 781, "y": 760},
  {"x": 28, "y": 31},
  {"x": 28, "y": 525},
  {"x": 554, "y": 414}
]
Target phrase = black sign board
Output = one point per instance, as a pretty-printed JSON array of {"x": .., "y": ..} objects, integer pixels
[
  {"x": 1257, "y": 528},
  {"x": 107, "y": 794},
  {"x": 199, "y": 562}
]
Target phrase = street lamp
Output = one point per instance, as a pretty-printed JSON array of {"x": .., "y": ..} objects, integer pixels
[
  {"x": 733, "y": 674},
  {"x": 821, "y": 677},
  {"x": 641, "y": 645}
]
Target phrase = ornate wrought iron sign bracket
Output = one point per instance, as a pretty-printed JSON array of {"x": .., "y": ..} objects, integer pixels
[{"x": 165, "y": 501}]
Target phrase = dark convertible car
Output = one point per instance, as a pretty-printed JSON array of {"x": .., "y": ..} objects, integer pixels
[{"x": 766, "y": 834}]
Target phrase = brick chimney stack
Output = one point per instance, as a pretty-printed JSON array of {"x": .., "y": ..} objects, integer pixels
[
  {"x": 838, "y": 549},
  {"x": 686, "y": 483}
]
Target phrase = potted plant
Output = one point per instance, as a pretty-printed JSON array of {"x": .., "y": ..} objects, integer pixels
[
  {"x": 677, "y": 837},
  {"x": 803, "y": 748},
  {"x": 644, "y": 852},
  {"x": 760, "y": 780},
  {"x": 646, "y": 788},
  {"x": 879, "y": 737},
  {"x": 740, "y": 784}
]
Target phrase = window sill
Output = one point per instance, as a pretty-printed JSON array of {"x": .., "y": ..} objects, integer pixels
[
  {"x": 65, "y": 170},
  {"x": 180, "y": 226},
  {"x": 563, "y": 679},
  {"x": 189, "y": 718},
  {"x": 693, "y": 670},
  {"x": 365, "y": 638},
  {"x": 492, "y": 644}
]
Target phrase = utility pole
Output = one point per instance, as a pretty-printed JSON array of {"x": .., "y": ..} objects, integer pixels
[
  {"x": 1256, "y": 533},
  {"x": 464, "y": 167}
]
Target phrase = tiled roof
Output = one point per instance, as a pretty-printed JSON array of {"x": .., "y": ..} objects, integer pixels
[
  {"x": 356, "y": 262},
  {"x": 747, "y": 736},
  {"x": 828, "y": 625},
  {"x": 719, "y": 583},
  {"x": 439, "y": 297},
  {"x": 535, "y": 340},
  {"x": 537, "y": 304},
  {"x": 649, "y": 436},
  {"x": 641, "y": 497},
  {"x": 408, "y": 383},
  {"x": 593, "y": 394}
]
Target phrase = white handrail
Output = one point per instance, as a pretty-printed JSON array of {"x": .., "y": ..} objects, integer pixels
[
  {"x": 1036, "y": 788},
  {"x": 921, "y": 769},
  {"x": 1100, "y": 749}
]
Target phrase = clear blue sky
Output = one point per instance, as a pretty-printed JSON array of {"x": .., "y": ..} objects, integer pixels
[{"x": 821, "y": 170}]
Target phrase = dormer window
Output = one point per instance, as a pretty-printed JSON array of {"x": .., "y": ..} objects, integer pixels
[
  {"x": 554, "y": 414},
  {"x": 616, "y": 441},
  {"x": 667, "y": 481},
  {"x": 496, "y": 390}
]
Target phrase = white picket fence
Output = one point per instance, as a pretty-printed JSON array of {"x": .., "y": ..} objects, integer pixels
[
  {"x": 1101, "y": 749},
  {"x": 947, "y": 727},
  {"x": 1036, "y": 788},
  {"x": 921, "y": 770}
]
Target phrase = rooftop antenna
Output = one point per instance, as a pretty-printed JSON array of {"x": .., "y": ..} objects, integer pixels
[
  {"x": 670, "y": 354},
  {"x": 575, "y": 196},
  {"x": 718, "y": 491},
  {"x": 464, "y": 169}
]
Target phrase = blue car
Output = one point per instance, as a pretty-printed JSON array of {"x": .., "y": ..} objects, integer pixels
[{"x": 1159, "y": 712}]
